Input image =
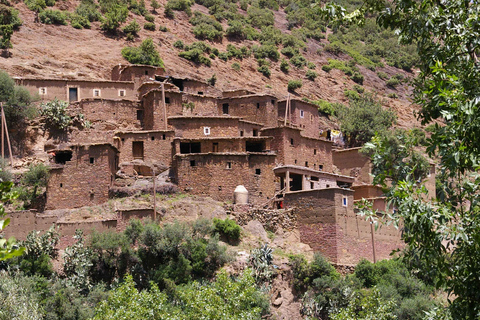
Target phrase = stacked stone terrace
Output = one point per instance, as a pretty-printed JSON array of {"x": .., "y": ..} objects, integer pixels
[{"x": 146, "y": 122}]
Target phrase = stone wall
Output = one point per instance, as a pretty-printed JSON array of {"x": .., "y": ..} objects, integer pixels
[
  {"x": 83, "y": 181},
  {"x": 352, "y": 163},
  {"x": 205, "y": 127},
  {"x": 157, "y": 146},
  {"x": 202, "y": 105},
  {"x": 294, "y": 149},
  {"x": 155, "y": 112},
  {"x": 132, "y": 72},
  {"x": 261, "y": 109},
  {"x": 217, "y": 175},
  {"x": 272, "y": 220},
  {"x": 304, "y": 115}
]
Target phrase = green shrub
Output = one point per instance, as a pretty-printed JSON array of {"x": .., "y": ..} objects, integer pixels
[
  {"x": 266, "y": 51},
  {"x": 392, "y": 82},
  {"x": 88, "y": 9},
  {"x": 132, "y": 28},
  {"x": 50, "y": 16},
  {"x": 79, "y": 22},
  {"x": 149, "y": 26},
  {"x": 311, "y": 75},
  {"x": 264, "y": 70},
  {"x": 284, "y": 66},
  {"x": 155, "y": 5},
  {"x": 327, "y": 67},
  {"x": 56, "y": 115},
  {"x": 357, "y": 77},
  {"x": 36, "y": 5},
  {"x": 212, "y": 80},
  {"x": 5, "y": 173},
  {"x": 114, "y": 17},
  {"x": 289, "y": 51},
  {"x": 235, "y": 29},
  {"x": 163, "y": 29},
  {"x": 236, "y": 66},
  {"x": 195, "y": 55},
  {"x": 178, "y": 44},
  {"x": 50, "y": 3},
  {"x": 260, "y": 17},
  {"x": 298, "y": 61},
  {"x": 149, "y": 18},
  {"x": 144, "y": 54},
  {"x": 294, "y": 84},
  {"x": 358, "y": 88},
  {"x": 351, "y": 94},
  {"x": 382, "y": 75},
  {"x": 227, "y": 228},
  {"x": 311, "y": 65},
  {"x": 206, "y": 27},
  {"x": 178, "y": 5}
]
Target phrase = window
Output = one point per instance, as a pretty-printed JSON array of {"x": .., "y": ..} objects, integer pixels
[
  {"x": 122, "y": 93},
  {"x": 273, "y": 102},
  {"x": 311, "y": 118},
  {"x": 314, "y": 151},
  {"x": 146, "y": 72},
  {"x": 241, "y": 133},
  {"x": 255, "y": 133},
  {"x": 140, "y": 115},
  {"x": 295, "y": 161},
  {"x": 137, "y": 149},
  {"x": 167, "y": 100},
  {"x": 225, "y": 108},
  {"x": 302, "y": 114},
  {"x": 215, "y": 147},
  {"x": 200, "y": 93},
  {"x": 92, "y": 160},
  {"x": 123, "y": 139},
  {"x": 61, "y": 185},
  {"x": 258, "y": 105},
  {"x": 291, "y": 142},
  {"x": 206, "y": 131},
  {"x": 229, "y": 165},
  {"x": 344, "y": 201},
  {"x": 193, "y": 163},
  {"x": 306, "y": 163},
  {"x": 153, "y": 138},
  {"x": 164, "y": 137},
  {"x": 42, "y": 91},
  {"x": 96, "y": 92},
  {"x": 257, "y": 171}
]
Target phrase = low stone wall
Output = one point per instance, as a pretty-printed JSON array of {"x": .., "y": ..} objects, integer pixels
[{"x": 271, "y": 219}]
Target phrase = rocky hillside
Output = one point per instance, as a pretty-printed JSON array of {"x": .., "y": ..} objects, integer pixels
[{"x": 61, "y": 51}]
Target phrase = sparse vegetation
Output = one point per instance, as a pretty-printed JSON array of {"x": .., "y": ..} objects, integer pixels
[
  {"x": 144, "y": 54},
  {"x": 294, "y": 84},
  {"x": 50, "y": 16}
]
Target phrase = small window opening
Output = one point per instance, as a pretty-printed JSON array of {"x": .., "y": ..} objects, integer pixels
[
  {"x": 193, "y": 163},
  {"x": 92, "y": 160},
  {"x": 257, "y": 171},
  {"x": 302, "y": 114},
  {"x": 312, "y": 185},
  {"x": 206, "y": 131},
  {"x": 164, "y": 137},
  {"x": 61, "y": 157},
  {"x": 291, "y": 142},
  {"x": 200, "y": 93},
  {"x": 314, "y": 151},
  {"x": 42, "y": 91},
  {"x": 229, "y": 165},
  {"x": 61, "y": 185},
  {"x": 328, "y": 186},
  {"x": 153, "y": 138},
  {"x": 258, "y": 105},
  {"x": 241, "y": 133},
  {"x": 295, "y": 161},
  {"x": 167, "y": 100},
  {"x": 254, "y": 146},
  {"x": 344, "y": 201},
  {"x": 123, "y": 139},
  {"x": 255, "y": 132},
  {"x": 146, "y": 72},
  {"x": 122, "y": 93},
  {"x": 215, "y": 147},
  {"x": 320, "y": 167},
  {"x": 192, "y": 147},
  {"x": 137, "y": 149},
  {"x": 273, "y": 102},
  {"x": 140, "y": 115},
  {"x": 306, "y": 163},
  {"x": 96, "y": 92},
  {"x": 225, "y": 108},
  {"x": 92, "y": 196},
  {"x": 219, "y": 188}
]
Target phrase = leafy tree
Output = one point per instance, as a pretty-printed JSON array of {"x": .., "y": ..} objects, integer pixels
[
  {"x": 9, "y": 21},
  {"x": 363, "y": 118},
  {"x": 8, "y": 248},
  {"x": 56, "y": 114},
  {"x": 370, "y": 306},
  {"x": 132, "y": 28},
  {"x": 36, "y": 177},
  {"x": 441, "y": 236},
  {"x": 145, "y": 54},
  {"x": 155, "y": 5},
  {"x": 114, "y": 17}
]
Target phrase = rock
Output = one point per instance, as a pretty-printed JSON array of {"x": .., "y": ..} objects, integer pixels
[
  {"x": 256, "y": 228},
  {"x": 278, "y": 302}
]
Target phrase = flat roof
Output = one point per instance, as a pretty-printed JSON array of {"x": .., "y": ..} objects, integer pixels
[{"x": 300, "y": 169}]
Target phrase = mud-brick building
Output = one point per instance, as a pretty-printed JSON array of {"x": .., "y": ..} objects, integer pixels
[
  {"x": 76, "y": 90},
  {"x": 293, "y": 148},
  {"x": 259, "y": 108},
  {"x": 302, "y": 115},
  {"x": 218, "y": 174},
  {"x": 328, "y": 223},
  {"x": 81, "y": 175}
]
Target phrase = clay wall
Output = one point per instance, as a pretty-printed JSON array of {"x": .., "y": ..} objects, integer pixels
[
  {"x": 203, "y": 105},
  {"x": 223, "y": 144},
  {"x": 205, "y": 127},
  {"x": 304, "y": 115},
  {"x": 199, "y": 88},
  {"x": 22, "y": 222},
  {"x": 124, "y": 216},
  {"x": 67, "y": 229},
  {"x": 157, "y": 146},
  {"x": 352, "y": 163},
  {"x": 132, "y": 72},
  {"x": 79, "y": 182},
  {"x": 256, "y": 108},
  {"x": 154, "y": 116},
  {"x": 153, "y": 85},
  {"x": 217, "y": 175},
  {"x": 48, "y": 89},
  {"x": 236, "y": 93},
  {"x": 367, "y": 192},
  {"x": 308, "y": 152},
  {"x": 249, "y": 129},
  {"x": 328, "y": 223},
  {"x": 121, "y": 112}
]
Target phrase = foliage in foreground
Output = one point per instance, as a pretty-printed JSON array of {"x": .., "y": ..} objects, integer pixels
[{"x": 224, "y": 298}]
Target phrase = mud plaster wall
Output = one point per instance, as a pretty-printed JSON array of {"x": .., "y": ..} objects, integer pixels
[
  {"x": 304, "y": 151},
  {"x": 309, "y": 123},
  {"x": 352, "y": 163},
  {"x": 130, "y": 73},
  {"x": 367, "y": 192},
  {"x": 197, "y": 87},
  {"x": 246, "y": 107},
  {"x": 154, "y": 111},
  {"x": 80, "y": 183},
  {"x": 211, "y": 176},
  {"x": 191, "y": 128},
  {"x": 157, "y": 146},
  {"x": 60, "y": 89},
  {"x": 123, "y": 113},
  {"x": 203, "y": 106},
  {"x": 23, "y": 222},
  {"x": 335, "y": 230}
]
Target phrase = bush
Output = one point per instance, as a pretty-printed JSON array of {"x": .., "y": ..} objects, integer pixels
[
  {"x": 392, "y": 82},
  {"x": 227, "y": 228},
  {"x": 178, "y": 44},
  {"x": 195, "y": 55},
  {"x": 392, "y": 95},
  {"x": 50, "y": 16},
  {"x": 149, "y": 26},
  {"x": 116, "y": 15},
  {"x": 284, "y": 66},
  {"x": 36, "y": 5},
  {"x": 88, "y": 10},
  {"x": 266, "y": 51},
  {"x": 294, "y": 84},
  {"x": 56, "y": 115},
  {"x": 212, "y": 80},
  {"x": 79, "y": 22},
  {"x": 382, "y": 75},
  {"x": 357, "y": 77},
  {"x": 206, "y": 27},
  {"x": 178, "y": 5},
  {"x": 36, "y": 177},
  {"x": 149, "y": 18},
  {"x": 311, "y": 75},
  {"x": 5, "y": 173},
  {"x": 311, "y": 65},
  {"x": 358, "y": 88},
  {"x": 298, "y": 61},
  {"x": 264, "y": 70},
  {"x": 327, "y": 67},
  {"x": 236, "y": 66},
  {"x": 145, "y": 54},
  {"x": 132, "y": 28},
  {"x": 163, "y": 29},
  {"x": 289, "y": 51},
  {"x": 260, "y": 17}
]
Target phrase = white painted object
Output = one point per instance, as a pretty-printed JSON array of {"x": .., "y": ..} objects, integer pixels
[{"x": 240, "y": 195}]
